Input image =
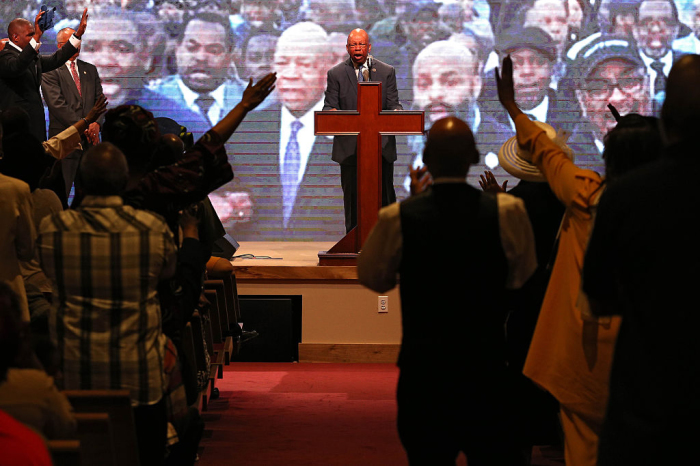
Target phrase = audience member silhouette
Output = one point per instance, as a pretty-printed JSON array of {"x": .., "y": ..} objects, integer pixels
[
  {"x": 28, "y": 394},
  {"x": 640, "y": 264},
  {"x": 571, "y": 350},
  {"x": 453, "y": 390},
  {"x": 105, "y": 260}
]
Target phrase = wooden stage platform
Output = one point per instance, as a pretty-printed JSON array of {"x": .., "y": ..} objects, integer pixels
[{"x": 340, "y": 321}]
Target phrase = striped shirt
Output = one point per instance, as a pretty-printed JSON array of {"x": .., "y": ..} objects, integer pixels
[{"x": 104, "y": 260}]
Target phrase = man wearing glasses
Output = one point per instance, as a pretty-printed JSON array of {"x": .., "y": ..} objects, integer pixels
[
  {"x": 608, "y": 71},
  {"x": 204, "y": 83},
  {"x": 341, "y": 94}
]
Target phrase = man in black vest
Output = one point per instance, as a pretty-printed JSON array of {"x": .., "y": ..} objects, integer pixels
[{"x": 456, "y": 250}]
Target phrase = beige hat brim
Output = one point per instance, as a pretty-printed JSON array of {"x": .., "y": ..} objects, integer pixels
[{"x": 509, "y": 158}]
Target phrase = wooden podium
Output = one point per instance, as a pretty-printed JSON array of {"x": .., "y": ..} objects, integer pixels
[{"x": 369, "y": 124}]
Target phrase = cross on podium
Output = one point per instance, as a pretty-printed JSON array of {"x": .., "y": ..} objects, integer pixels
[{"x": 369, "y": 124}]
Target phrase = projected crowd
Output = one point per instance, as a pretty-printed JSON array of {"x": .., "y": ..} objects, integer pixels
[{"x": 190, "y": 60}]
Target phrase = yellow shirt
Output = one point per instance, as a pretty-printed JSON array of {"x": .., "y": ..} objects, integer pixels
[{"x": 570, "y": 354}]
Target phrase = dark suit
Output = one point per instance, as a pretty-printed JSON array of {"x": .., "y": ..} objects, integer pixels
[
  {"x": 341, "y": 94},
  {"x": 21, "y": 74},
  {"x": 317, "y": 211},
  {"x": 66, "y": 105}
]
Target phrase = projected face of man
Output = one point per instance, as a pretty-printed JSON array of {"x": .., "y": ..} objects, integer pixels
[
  {"x": 331, "y": 15},
  {"x": 575, "y": 14},
  {"x": 259, "y": 55},
  {"x": 695, "y": 23},
  {"x": 445, "y": 81},
  {"x": 656, "y": 28},
  {"x": 616, "y": 81},
  {"x": 422, "y": 25},
  {"x": 551, "y": 17},
  {"x": 203, "y": 57},
  {"x": 113, "y": 47},
  {"x": 532, "y": 73},
  {"x": 257, "y": 13},
  {"x": 301, "y": 63}
]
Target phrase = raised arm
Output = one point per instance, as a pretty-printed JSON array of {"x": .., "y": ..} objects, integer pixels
[
  {"x": 571, "y": 185},
  {"x": 68, "y": 140},
  {"x": 252, "y": 97}
]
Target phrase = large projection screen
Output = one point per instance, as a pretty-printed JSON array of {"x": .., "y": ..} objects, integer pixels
[{"x": 191, "y": 60}]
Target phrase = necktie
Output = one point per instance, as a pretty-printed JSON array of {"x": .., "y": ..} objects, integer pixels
[
  {"x": 660, "y": 80},
  {"x": 76, "y": 78},
  {"x": 290, "y": 170},
  {"x": 365, "y": 73},
  {"x": 204, "y": 102}
]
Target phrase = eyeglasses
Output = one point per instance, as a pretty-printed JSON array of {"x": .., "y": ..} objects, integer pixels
[
  {"x": 603, "y": 88},
  {"x": 357, "y": 46},
  {"x": 663, "y": 24}
]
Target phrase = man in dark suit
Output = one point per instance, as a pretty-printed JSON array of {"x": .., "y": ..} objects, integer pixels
[
  {"x": 341, "y": 94},
  {"x": 70, "y": 92},
  {"x": 285, "y": 184},
  {"x": 21, "y": 68}
]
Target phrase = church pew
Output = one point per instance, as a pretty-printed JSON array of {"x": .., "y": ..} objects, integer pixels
[
  {"x": 116, "y": 403},
  {"x": 64, "y": 452},
  {"x": 94, "y": 431},
  {"x": 214, "y": 292}
]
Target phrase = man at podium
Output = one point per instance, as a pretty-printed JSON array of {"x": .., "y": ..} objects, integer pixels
[{"x": 341, "y": 94}]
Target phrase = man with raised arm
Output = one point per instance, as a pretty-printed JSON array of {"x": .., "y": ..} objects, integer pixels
[{"x": 21, "y": 67}]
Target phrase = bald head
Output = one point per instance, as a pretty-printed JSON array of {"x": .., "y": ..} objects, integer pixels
[
  {"x": 20, "y": 31},
  {"x": 450, "y": 148},
  {"x": 358, "y": 46},
  {"x": 103, "y": 170},
  {"x": 63, "y": 35},
  {"x": 681, "y": 110}
]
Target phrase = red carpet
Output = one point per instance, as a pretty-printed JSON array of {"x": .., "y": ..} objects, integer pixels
[{"x": 305, "y": 414}]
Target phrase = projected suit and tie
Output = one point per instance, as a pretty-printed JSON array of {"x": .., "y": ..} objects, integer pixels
[{"x": 189, "y": 60}]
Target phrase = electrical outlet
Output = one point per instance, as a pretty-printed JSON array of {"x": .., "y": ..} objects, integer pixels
[{"x": 382, "y": 304}]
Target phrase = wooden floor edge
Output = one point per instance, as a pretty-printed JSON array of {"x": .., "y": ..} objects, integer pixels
[{"x": 349, "y": 352}]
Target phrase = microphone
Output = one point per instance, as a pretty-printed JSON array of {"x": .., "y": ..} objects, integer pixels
[{"x": 365, "y": 69}]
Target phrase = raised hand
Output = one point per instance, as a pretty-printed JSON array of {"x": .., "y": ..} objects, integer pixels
[
  {"x": 420, "y": 179},
  {"x": 37, "y": 30},
  {"x": 254, "y": 94},
  {"x": 97, "y": 110},
  {"x": 489, "y": 184},
  {"x": 83, "y": 24},
  {"x": 506, "y": 89}
]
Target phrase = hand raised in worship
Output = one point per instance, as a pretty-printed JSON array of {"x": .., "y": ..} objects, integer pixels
[
  {"x": 93, "y": 134},
  {"x": 506, "y": 89},
  {"x": 37, "y": 30},
  {"x": 97, "y": 110},
  {"x": 189, "y": 221},
  {"x": 83, "y": 24},
  {"x": 420, "y": 179},
  {"x": 489, "y": 184},
  {"x": 254, "y": 94}
]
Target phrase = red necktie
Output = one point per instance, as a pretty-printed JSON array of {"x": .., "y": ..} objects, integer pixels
[{"x": 76, "y": 78}]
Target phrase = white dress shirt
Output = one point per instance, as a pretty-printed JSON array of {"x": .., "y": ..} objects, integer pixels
[
  {"x": 667, "y": 60},
  {"x": 306, "y": 139},
  {"x": 215, "y": 111},
  {"x": 380, "y": 258}
]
